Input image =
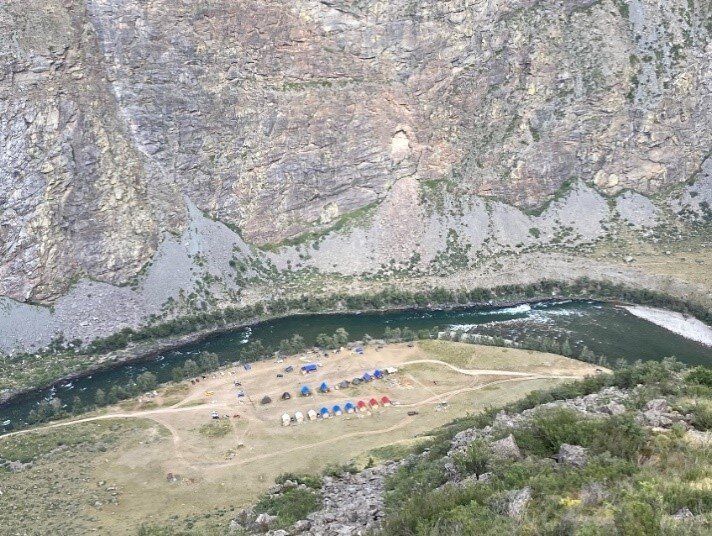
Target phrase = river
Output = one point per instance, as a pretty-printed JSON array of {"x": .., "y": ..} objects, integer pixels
[{"x": 604, "y": 328}]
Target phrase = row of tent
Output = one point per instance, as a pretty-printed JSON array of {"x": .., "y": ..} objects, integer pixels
[
  {"x": 365, "y": 378},
  {"x": 325, "y": 412}
]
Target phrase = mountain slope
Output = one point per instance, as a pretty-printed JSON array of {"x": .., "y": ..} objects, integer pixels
[{"x": 277, "y": 116}]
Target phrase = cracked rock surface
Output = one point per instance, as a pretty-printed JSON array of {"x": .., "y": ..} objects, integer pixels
[{"x": 278, "y": 117}]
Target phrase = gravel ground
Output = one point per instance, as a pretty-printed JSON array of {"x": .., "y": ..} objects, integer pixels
[
  {"x": 687, "y": 326},
  {"x": 637, "y": 210}
]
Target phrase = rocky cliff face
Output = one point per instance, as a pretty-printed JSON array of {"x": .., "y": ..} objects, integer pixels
[{"x": 279, "y": 117}]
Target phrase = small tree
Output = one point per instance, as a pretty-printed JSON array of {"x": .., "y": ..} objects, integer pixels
[
  {"x": 177, "y": 374},
  {"x": 566, "y": 348},
  {"x": 392, "y": 334},
  {"x": 77, "y": 406},
  {"x": 190, "y": 368},
  {"x": 55, "y": 406},
  {"x": 146, "y": 382},
  {"x": 324, "y": 341},
  {"x": 116, "y": 393},
  {"x": 209, "y": 361},
  {"x": 298, "y": 343},
  {"x": 587, "y": 355},
  {"x": 423, "y": 334},
  {"x": 341, "y": 336},
  {"x": 254, "y": 350},
  {"x": 100, "y": 397},
  {"x": 408, "y": 334}
]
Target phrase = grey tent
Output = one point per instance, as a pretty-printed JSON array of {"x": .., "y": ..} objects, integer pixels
[
  {"x": 286, "y": 396},
  {"x": 266, "y": 400}
]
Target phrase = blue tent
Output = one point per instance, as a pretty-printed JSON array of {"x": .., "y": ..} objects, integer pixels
[
  {"x": 311, "y": 367},
  {"x": 324, "y": 388},
  {"x": 247, "y": 366},
  {"x": 324, "y": 412},
  {"x": 366, "y": 377},
  {"x": 349, "y": 406},
  {"x": 305, "y": 391},
  {"x": 336, "y": 409},
  {"x": 359, "y": 349},
  {"x": 378, "y": 374}
]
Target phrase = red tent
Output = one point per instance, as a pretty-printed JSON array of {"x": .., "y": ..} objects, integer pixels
[
  {"x": 373, "y": 402},
  {"x": 386, "y": 401},
  {"x": 361, "y": 404}
]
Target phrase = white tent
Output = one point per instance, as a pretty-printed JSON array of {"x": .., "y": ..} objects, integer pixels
[
  {"x": 391, "y": 370},
  {"x": 286, "y": 419},
  {"x": 311, "y": 414},
  {"x": 299, "y": 416}
]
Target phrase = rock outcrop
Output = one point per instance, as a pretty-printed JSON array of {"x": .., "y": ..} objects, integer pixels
[
  {"x": 279, "y": 117},
  {"x": 353, "y": 504}
]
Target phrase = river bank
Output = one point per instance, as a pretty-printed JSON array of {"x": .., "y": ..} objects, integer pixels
[
  {"x": 685, "y": 325},
  {"x": 143, "y": 351},
  {"x": 137, "y": 352}
]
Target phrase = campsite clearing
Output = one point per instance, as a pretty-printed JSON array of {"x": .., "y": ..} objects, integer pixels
[{"x": 200, "y": 470}]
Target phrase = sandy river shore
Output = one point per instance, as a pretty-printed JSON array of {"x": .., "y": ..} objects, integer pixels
[{"x": 684, "y": 325}]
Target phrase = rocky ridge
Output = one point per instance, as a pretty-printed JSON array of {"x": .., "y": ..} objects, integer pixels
[
  {"x": 353, "y": 504},
  {"x": 120, "y": 119}
]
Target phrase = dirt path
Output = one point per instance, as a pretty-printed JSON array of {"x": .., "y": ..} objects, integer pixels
[
  {"x": 396, "y": 426},
  {"x": 486, "y": 372},
  {"x": 147, "y": 414},
  {"x": 449, "y": 394},
  {"x": 151, "y": 414}
]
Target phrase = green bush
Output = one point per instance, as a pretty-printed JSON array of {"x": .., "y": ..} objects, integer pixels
[
  {"x": 336, "y": 470},
  {"x": 214, "y": 429},
  {"x": 413, "y": 478},
  {"x": 475, "y": 460},
  {"x": 619, "y": 436},
  {"x": 700, "y": 376},
  {"x": 311, "y": 481},
  {"x": 549, "y": 429},
  {"x": 637, "y": 518},
  {"x": 291, "y": 506},
  {"x": 678, "y": 496},
  {"x": 702, "y": 416}
]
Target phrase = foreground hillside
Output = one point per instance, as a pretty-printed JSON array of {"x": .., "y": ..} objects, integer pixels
[
  {"x": 627, "y": 454},
  {"x": 164, "y": 157},
  {"x": 162, "y": 459}
]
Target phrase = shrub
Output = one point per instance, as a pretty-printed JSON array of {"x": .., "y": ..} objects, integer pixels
[
  {"x": 311, "y": 481},
  {"x": 619, "y": 436},
  {"x": 475, "y": 460},
  {"x": 550, "y": 428},
  {"x": 291, "y": 506},
  {"x": 215, "y": 429},
  {"x": 678, "y": 496},
  {"x": 702, "y": 416},
  {"x": 336, "y": 470},
  {"x": 413, "y": 478},
  {"x": 700, "y": 376},
  {"x": 637, "y": 518}
]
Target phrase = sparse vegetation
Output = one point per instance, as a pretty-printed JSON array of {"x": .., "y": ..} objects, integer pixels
[
  {"x": 294, "y": 504},
  {"x": 634, "y": 480},
  {"x": 629, "y": 485},
  {"x": 217, "y": 428},
  {"x": 58, "y": 492}
]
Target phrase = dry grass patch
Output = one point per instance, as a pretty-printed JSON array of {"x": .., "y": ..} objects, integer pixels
[
  {"x": 472, "y": 356},
  {"x": 59, "y": 492},
  {"x": 215, "y": 429}
]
